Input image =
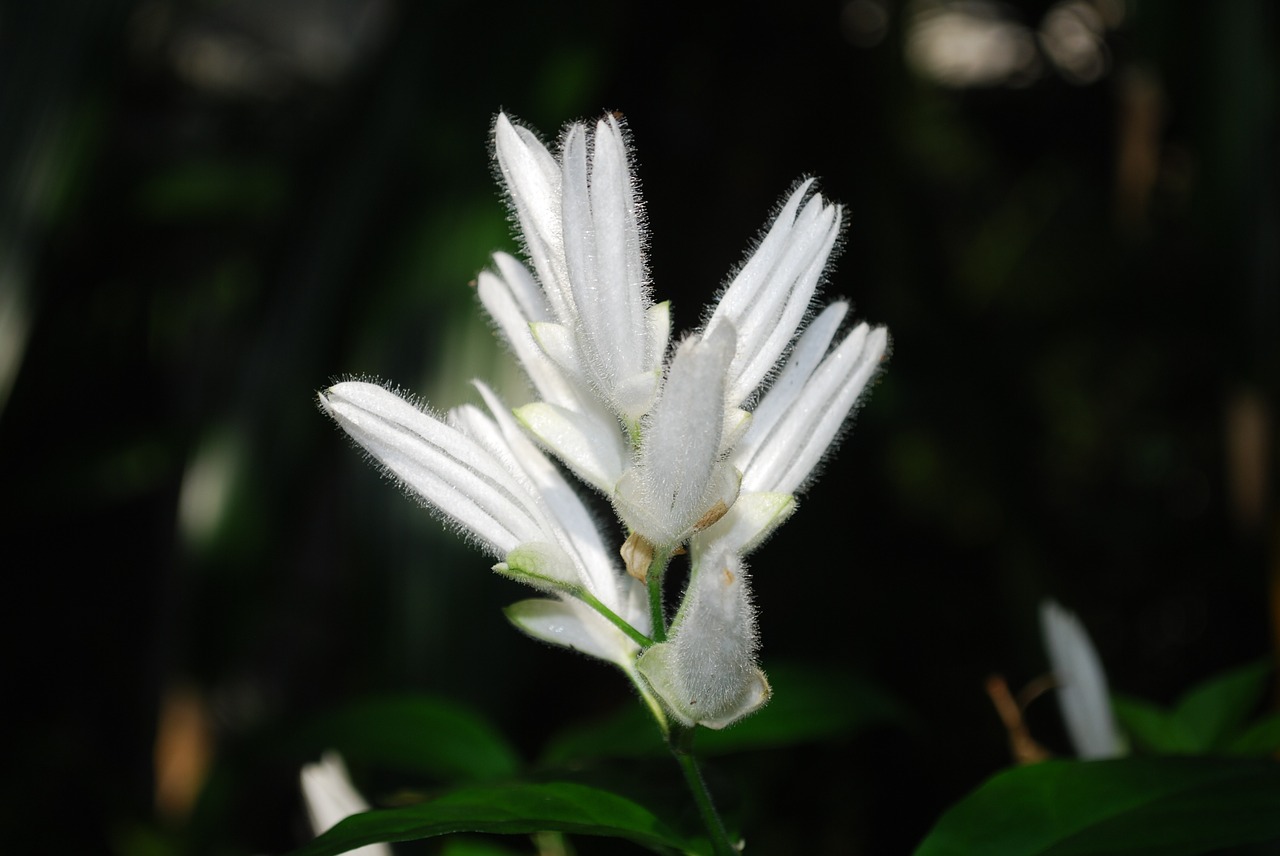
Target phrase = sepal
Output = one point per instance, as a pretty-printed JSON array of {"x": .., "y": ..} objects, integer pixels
[
  {"x": 706, "y": 672},
  {"x": 541, "y": 565}
]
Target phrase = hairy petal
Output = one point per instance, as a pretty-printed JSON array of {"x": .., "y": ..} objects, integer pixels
[
  {"x": 768, "y": 299},
  {"x": 783, "y": 460},
  {"x": 706, "y": 672},
  {"x": 448, "y": 470},
  {"x": 678, "y": 475}
]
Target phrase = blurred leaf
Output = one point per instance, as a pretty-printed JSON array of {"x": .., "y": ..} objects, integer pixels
[
  {"x": 199, "y": 188},
  {"x": 1215, "y": 710},
  {"x": 1208, "y": 718},
  {"x": 1261, "y": 738},
  {"x": 508, "y": 809},
  {"x": 442, "y": 739},
  {"x": 1152, "y": 728},
  {"x": 475, "y": 847},
  {"x": 1166, "y": 806},
  {"x": 809, "y": 705}
]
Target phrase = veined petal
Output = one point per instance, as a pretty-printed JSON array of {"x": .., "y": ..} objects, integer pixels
[
  {"x": 592, "y": 450},
  {"x": 573, "y": 527},
  {"x": 784, "y": 460},
  {"x": 448, "y": 470},
  {"x": 619, "y": 255},
  {"x": 533, "y": 180},
  {"x": 706, "y": 671},
  {"x": 558, "y": 343},
  {"x": 602, "y": 249},
  {"x": 804, "y": 359},
  {"x": 677, "y": 461},
  {"x": 575, "y": 625},
  {"x": 523, "y": 287},
  {"x": 1082, "y": 684},
  {"x": 507, "y": 307},
  {"x": 769, "y": 297}
]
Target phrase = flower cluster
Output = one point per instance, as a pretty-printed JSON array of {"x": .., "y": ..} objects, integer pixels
[{"x": 700, "y": 446}]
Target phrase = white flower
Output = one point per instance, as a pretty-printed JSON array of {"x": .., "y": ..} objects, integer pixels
[
  {"x": 1082, "y": 684},
  {"x": 706, "y": 445},
  {"x": 330, "y": 797},
  {"x": 485, "y": 476},
  {"x": 581, "y": 224}
]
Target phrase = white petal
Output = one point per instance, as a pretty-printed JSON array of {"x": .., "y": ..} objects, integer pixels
[
  {"x": 769, "y": 297},
  {"x": 619, "y": 260},
  {"x": 805, "y": 357},
  {"x": 659, "y": 317},
  {"x": 557, "y": 342},
  {"x": 706, "y": 671},
  {"x": 533, "y": 179},
  {"x": 451, "y": 472},
  {"x": 634, "y": 395},
  {"x": 506, "y": 308},
  {"x": 1082, "y": 684},
  {"x": 575, "y": 625},
  {"x": 574, "y": 529},
  {"x": 785, "y": 460},
  {"x": 750, "y": 520},
  {"x": 682, "y": 443},
  {"x": 593, "y": 451},
  {"x": 524, "y": 288},
  {"x": 330, "y": 797}
]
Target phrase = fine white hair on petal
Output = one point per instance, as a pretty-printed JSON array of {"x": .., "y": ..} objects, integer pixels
[
  {"x": 769, "y": 297},
  {"x": 330, "y": 798},
  {"x": 619, "y": 255},
  {"x": 440, "y": 465},
  {"x": 682, "y": 440},
  {"x": 507, "y": 297},
  {"x": 533, "y": 180},
  {"x": 602, "y": 249},
  {"x": 575, "y": 529},
  {"x": 706, "y": 671},
  {"x": 804, "y": 359},
  {"x": 784, "y": 460},
  {"x": 1083, "y": 696}
]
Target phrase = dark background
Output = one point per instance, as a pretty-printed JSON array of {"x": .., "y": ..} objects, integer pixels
[{"x": 212, "y": 209}]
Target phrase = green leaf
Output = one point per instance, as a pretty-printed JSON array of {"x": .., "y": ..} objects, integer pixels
[
  {"x": 415, "y": 734},
  {"x": 809, "y": 705},
  {"x": 466, "y": 846},
  {"x": 1261, "y": 738},
  {"x": 1152, "y": 728},
  {"x": 1214, "y": 711},
  {"x": 508, "y": 809},
  {"x": 1165, "y": 806}
]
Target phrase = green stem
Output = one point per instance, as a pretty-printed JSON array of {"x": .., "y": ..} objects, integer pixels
[
  {"x": 657, "y": 612},
  {"x": 681, "y": 742},
  {"x": 617, "y": 620}
]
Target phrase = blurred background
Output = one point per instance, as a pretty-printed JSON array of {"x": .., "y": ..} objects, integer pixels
[{"x": 1065, "y": 212}]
